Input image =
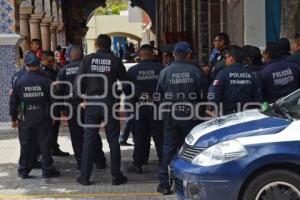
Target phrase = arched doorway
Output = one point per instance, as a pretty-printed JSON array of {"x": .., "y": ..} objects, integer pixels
[{"x": 78, "y": 12}]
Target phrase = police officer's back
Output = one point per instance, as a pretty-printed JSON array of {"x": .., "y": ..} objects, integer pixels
[
  {"x": 68, "y": 74},
  {"x": 278, "y": 77},
  {"x": 234, "y": 86},
  {"x": 180, "y": 83},
  {"x": 29, "y": 109},
  {"x": 295, "y": 48},
  {"x": 144, "y": 76},
  {"x": 109, "y": 67}
]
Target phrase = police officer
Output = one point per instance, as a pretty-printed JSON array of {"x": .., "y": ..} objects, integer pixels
[
  {"x": 144, "y": 76},
  {"x": 252, "y": 58},
  {"x": 221, "y": 43},
  {"x": 278, "y": 77},
  {"x": 285, "y": 47},
  {"x": 68, "y": 74},
  {"x": 47, "y": 64},
  {"x": 179, "y": 83},
  {"x": 234, "y": 86},
  {"x": 36, "y": 164},
  {"x": 295, "y": 48},
  {"x": 29, "y": 109},
  {"x": 105, "y": 64}
]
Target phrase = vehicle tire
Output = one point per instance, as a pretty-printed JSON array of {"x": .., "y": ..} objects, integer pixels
[{"x": 274, "y": 185}]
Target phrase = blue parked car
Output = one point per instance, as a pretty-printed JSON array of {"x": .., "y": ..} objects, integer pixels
[{"x": 252, "y": 155}]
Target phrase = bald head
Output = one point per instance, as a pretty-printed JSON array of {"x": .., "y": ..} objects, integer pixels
[{"x": 76, "y": 54}]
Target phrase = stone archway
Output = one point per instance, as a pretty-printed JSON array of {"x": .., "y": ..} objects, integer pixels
[{"x": 77, "y": 14}]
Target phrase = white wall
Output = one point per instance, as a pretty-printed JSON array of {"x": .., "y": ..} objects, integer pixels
[
  {"x": 110, "y": 24},
  {"x": 255, "y": 23}
]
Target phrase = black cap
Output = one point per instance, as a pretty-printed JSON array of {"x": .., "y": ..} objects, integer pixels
[{"x": 31, "y": 60}]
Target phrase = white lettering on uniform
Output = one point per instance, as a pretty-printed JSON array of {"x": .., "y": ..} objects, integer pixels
[
  {"x": 101, "y": 65},
  {"x": 181, "y": 78},
  {"x": 283, "y": 77},
  {"x": 33, "y": 91},
  {"x": 239, "y": 75},
  {"x": 72, "y": 70},
  {"x": 240, "y": 79},
  {"x": 147, "y": 75}
]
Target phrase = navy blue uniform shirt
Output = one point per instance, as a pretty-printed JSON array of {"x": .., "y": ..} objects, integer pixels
[
  {"x": 17, "y": 75},
  {"x": 216, "y": 66},
  {"x": 67, "y": 73},
  {"x": 145, "y": 77},
  {"x": 233, "y": 85},
  {"x": 103, "y": 63},
  {"x": 50, "y": 72},
  {"x": 31, "y": 93},
  {"x": 278, "y": 79},
  {"x": 294, "y": 58},
  {"x": 182, "y": 82}
]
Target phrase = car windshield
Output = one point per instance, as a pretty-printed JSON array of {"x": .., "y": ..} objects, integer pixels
[{"x": 289, "y": 106}]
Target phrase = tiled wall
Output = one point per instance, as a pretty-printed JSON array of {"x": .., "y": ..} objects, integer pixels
[
  {"x": 7, "y": 56},
  {"x": 7, "y": 19},
  {"x": 7, "y": 69}
]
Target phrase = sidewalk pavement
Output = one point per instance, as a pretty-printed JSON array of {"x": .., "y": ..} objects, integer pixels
[{"x": 141, "y": 186}]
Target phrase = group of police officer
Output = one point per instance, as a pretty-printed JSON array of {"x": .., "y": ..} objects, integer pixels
[{"x": 163, "y": 99}]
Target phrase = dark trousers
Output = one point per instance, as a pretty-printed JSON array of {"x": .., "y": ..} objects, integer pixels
[
  {"x": 95, "y": 115},
  {"x": 127, "y": 129},
  {"x": 145, "y": 127},
  {"x": 55, "y": 129},
  {"x": 77, "y": 132},
  {"x": 28, "y": 135},
  {"x": 174, "y": 136}
]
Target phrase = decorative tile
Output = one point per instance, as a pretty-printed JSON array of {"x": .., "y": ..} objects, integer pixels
[
  {"x": 7, "y": 69},
  {"x": 7, "y": 12}
]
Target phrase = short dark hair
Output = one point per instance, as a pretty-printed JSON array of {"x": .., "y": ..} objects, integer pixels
[
  {"x": 58, "y": 48},
  {"x": 253, "y": 53},
  {"x": 274, "y": 50},
  {"x": 224, "y": 37},
  {"x": 285, "y": 45},
  {"x": 236, "y": 53},
  {"x": 36, "y": 41},
  {"x": 297, "y": 37},
  {"x": 104, "y": 41},
  {"x": 47, "y": 54},
  {"x": 146, "y": 47}
]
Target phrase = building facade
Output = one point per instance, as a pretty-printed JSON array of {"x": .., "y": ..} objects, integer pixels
[{"x": 197, "y": 21}]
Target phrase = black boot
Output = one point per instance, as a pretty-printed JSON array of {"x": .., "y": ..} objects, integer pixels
[
  {"x": 118, "y": 180},
  {"x": 82, "y": 181},
  {"x": 101, "y": 165},
  {"x": 164, "y": 189},
  {"x": 135, "y": 169},
  {"x": 59, "y": 153},
  {"x": 51, "y": 173},
  {"x": 23, "y": 176}
]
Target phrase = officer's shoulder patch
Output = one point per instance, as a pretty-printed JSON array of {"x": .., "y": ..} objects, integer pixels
[{"x": 216, "y": 82}]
